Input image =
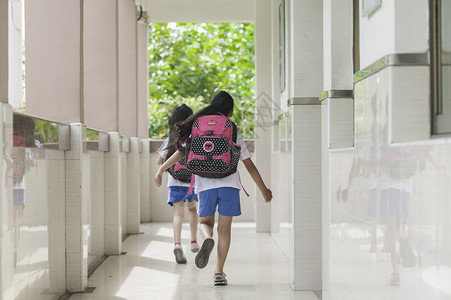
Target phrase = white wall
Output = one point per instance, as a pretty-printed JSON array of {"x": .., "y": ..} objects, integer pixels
[
  {"x": 389, "y": 193},
  {"x": 377, "y": 34}
]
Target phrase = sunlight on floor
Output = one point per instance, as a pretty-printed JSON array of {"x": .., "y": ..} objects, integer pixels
[
  {"x": 143, "y": 281},
  {"x": 256, "y": 269}
]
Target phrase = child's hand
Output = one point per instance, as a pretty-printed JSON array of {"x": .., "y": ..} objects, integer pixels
[
  {"x": 267, "y": 195},
  {"x": 159, "y": 177}
]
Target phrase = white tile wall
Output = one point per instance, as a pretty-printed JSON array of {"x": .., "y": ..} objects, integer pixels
[
  {"x": 97, "y": 202},
  {"x": 77, "y": 218},
  {"x": 6, "y": 204},
  {"x": 340, "y": 125},
  {"x": 389, "y": 203},
  {"x": 133, "y": 187},
  {"x": 146, "y": 180},
  {"x": 113, "y": 196},
  {"x": 409, "y": 113},
  {"x": 307, "y": 197},
  {"x": 124, "y": 192}
]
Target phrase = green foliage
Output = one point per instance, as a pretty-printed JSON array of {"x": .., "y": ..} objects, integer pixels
[
  {"x": 189, "y": 63},
  {"x": 160, "y": 111},
  {"x": 46, "y": 132}
]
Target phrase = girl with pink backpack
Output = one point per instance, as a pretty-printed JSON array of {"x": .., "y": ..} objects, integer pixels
[
  {"x": 209, "y": 145},
  {"x": 178, "y": 186}
]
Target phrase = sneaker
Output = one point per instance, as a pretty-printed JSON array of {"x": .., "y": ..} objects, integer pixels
[
  {"x": 204, "y": 253},
  {"x": 194, "y": 247},
  {"x": 179, "y": 256},
  {"x": 395, "y": 278}
]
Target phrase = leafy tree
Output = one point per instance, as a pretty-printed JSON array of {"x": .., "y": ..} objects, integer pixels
[{"x": 189, "y": 63}]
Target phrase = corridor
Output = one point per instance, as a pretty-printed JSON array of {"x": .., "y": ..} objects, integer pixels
[{"x": 256, "y": 269}]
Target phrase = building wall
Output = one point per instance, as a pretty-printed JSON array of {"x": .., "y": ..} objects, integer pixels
[
  {"x": 387, "y": 233},
  {"x": 63, "y": 226}
]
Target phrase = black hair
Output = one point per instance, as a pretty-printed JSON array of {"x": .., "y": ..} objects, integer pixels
[
  {"x": 179, "y": 113},
  {"x": 221, "y": 103}
]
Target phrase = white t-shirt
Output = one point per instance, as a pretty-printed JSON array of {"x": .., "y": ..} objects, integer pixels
[
  {"x": 203, "y": 184},
  {"x": 171, "y": 180}
]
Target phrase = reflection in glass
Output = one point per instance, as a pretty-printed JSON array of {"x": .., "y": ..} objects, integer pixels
[{"x": 23, "y": 158}]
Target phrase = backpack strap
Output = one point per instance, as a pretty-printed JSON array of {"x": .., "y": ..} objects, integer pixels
[
  {"x": 191, "y": 185},
  {"x": 242, "y": 185}
]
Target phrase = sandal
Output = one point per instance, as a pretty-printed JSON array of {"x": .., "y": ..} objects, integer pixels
[
  {"x": 220, "y": 279},
  {"x": 204, "y": 253}
]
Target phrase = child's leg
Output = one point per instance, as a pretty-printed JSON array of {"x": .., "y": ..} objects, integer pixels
[
  {"x": 224, "y": 233},
  {"x": 206, "y": 226},
  {"x": 193, "y": 220},
  {"x": 177, "y": 221}
]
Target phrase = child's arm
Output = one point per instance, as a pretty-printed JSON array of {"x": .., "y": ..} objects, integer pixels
[
  {"x": 178, "y": 155},
  {"x": 253, "y": 171},
  {"x": 160, "y": 160}
]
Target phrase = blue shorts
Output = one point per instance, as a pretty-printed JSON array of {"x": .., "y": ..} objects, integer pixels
[
  {"x": 226, "y": 198},
  {"x": 19, "y": 197},
  {"x": 395, "y": 202},
  {"x": 180, "y": 193}
]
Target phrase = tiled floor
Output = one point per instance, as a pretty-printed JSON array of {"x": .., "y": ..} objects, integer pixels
[{"x": 256, "y": 269}]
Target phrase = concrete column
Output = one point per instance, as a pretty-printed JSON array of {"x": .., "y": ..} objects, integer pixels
[
  {"x": 15, "y": 54},
  {"x": 133, "y": 187},
  {"x": 146, "y": 180},
  {"x": 337, "y": 106},
  {"x": 263, "y": 107},
  {"x": 54, "y": 59},
  {"x": 4, "y": 51},
  {"x": 142, "y": 84},
  {"x": 100, "y": 57},
  {"x": 56, "y": 191},
  {"x": 127, "y": 106},
  {"x": 112, "y": 216},
  {"x": 305, "y": 85},
  {"x": 77, "y": 214}
]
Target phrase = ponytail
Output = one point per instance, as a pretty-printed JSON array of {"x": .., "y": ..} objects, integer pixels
[
  {"x": 221, "y": 102},
  {"x": 179, "y": 113}
]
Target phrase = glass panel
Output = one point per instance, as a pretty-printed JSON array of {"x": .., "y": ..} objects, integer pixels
[{"x": 35, "y": 133}]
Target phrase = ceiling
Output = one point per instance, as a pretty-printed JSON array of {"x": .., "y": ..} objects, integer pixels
[{"x": 199, "y": 11}]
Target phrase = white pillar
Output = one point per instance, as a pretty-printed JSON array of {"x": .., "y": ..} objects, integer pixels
[
  {"x": 133, "y": 190},
  {"x": 113, "y": 194},
  {"x": 56, "y": 191},
  {"x": 54, "y": 59},
  {"x": 15, "y": 53},
  {"x": 142, "y": 84},
  {"x": 127, "y": 109},
  {"x": 305, "y": 86},
  {"x": 4, "y": 51},
  {"x": 146, "y": 180},
  {"x": 100, "y": 57},
  {"x": 6, "y": 203},
  {"x": 263, "y": 107},
  {"x": 77, "y": 220}
]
